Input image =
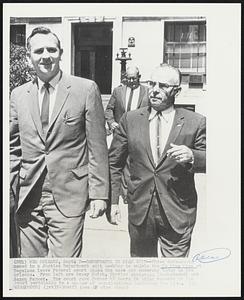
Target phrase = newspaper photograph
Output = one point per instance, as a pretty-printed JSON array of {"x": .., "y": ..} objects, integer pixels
[{"x": 121, "y": 126}]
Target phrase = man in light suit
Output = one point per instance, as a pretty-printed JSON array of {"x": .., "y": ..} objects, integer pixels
[
  {"x": 165, "y": 146},
  {"x": 132, "y": 95},
  {"x": 58, "y": 153}
]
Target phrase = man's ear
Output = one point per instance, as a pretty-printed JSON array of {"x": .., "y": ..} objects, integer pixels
[
  {"x": 177, "y": 90},
  {"x": 61, "y": 52},
  {"x": 28, "y": 58}
]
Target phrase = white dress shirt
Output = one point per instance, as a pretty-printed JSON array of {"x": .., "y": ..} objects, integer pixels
[
  {"x": 135, "y": 97},
  {"x": 52, "y": 91},
  {"x": 167, "y": 119}
]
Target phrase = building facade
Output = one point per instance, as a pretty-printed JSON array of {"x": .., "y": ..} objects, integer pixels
[{"x": 92, "y": 44}]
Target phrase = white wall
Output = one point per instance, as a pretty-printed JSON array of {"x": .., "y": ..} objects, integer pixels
[{"x": 148, "y": 50}]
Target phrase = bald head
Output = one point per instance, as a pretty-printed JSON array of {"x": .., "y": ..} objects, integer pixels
[
  {"x": 132, "y": 77},
  {"x": 164, "y": 86},
  {"x": 132, "y": 71},
  {"x": 166, "y": 74}
]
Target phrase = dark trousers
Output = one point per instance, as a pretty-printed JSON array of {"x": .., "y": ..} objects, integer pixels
[
  {"x": 123, "y": 185},
  {"x": 144, "y": 238}
]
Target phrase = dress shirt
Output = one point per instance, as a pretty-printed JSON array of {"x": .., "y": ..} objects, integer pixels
[
  {"x": 52, "y": 91},
  {"x": 135, "y": 97},
  {"x": 167, "y": 117}
]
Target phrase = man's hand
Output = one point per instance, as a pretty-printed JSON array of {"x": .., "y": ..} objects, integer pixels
[
  {"x": 180, "y": 153},
  {"x": 115, "y": 216},
  {"x": 97, "y": 208},
  {"x": 114, "y": 125}
]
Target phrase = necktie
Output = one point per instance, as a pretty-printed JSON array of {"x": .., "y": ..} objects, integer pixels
[
  {"x": 45, "y": 107},
  {"x": 130, "y": 100},
  {"x": 158, "y": 135}
]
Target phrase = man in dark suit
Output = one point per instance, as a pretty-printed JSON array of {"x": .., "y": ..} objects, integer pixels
[
  {"x": 58, "y": 154},
  {"x": 165, "y": 146},
  {"x": 129, "y": 96}
]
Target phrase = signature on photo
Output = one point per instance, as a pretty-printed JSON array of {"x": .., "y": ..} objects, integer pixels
[{"x": 212, "y": 255}]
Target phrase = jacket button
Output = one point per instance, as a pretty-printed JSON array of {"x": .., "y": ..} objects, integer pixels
[{"x": 47, "y": 152}]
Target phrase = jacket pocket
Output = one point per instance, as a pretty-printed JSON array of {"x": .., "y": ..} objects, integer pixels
[
  {"x": 71, "y": 120},
  {"x": 80, "y": 171}
]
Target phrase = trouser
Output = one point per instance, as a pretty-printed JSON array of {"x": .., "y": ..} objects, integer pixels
[
  {"x": 44, "y": 231},
  {"x": 124, "y": 178},
  {"x": 144, "y": 238}
]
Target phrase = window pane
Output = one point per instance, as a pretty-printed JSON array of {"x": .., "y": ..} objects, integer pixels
[
  {"x": 193, "y": 32},
  {"x": 177, "y": 48},
  {"x": 194, "y": 61},
  {"x": 185, "y": 60},
  {"x": 202, "y": 48},
  {"x": 169, "y": 58},
  {"x": 202, "y": 32},
  {"x": 187, "y": 47},
  {"x": 170, "y": 48},
  {"x": 178, "y": 33},
  {"x": 202, "y": 61},
  {"x": 194, "y": 48},
  {"x": 169, "y": 34},
  {"x": 176, "y": 61}
]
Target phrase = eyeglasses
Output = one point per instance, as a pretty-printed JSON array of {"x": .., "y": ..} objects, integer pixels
[
  {"x": 160, "y": 84},
  {"x": 132, "y": 78}
]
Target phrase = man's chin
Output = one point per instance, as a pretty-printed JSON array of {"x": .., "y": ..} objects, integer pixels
[
  {"x": 159, "y": 106},
  {"x": 46, "y": 69}
]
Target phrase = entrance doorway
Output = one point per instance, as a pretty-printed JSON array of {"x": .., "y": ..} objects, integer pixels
[{"x": 93, "y": 53}]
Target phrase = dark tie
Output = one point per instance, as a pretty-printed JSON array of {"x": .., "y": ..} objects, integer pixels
[
  {"x": 45, "y": 107},
  {"x": 158, "y": 134},
  {"x": 130, "y": 100}
]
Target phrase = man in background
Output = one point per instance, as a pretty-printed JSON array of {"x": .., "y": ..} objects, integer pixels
[
  {"x": 58, "y": 153},
  {"x": 166, "y": 146},
  {"x": 132, "y": 95}
]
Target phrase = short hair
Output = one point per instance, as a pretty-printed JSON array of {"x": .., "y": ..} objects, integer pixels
[
  {"x": 134, "y": 68},
  {"x": 41, "y": 30},
  {"x": 162, "y": 65}
]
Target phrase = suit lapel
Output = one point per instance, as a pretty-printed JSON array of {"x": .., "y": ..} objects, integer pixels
[
  {"x": 32, "y": 94},
  {"x": 61, "y": 97},
  {"x": 175, "y": 130},
  {"x": 144, "y": 129},
  {"x": 141, "y": 95}
]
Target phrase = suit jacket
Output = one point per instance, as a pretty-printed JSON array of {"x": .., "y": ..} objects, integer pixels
[
  {"x": 74, "y": 149},
  {"x": 174, "y": 182},
  {"x": 116, "y": 105}
]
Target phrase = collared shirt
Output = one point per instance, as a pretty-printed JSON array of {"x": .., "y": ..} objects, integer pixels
[
  {"x": 135, "y": 97},
  {"x": 167, "y": 119},
  {"x": 52, "y": 90}
]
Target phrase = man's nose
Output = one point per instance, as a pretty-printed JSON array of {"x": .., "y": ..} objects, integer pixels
[
  {"x": 45, "y": 54},
  {"x": 155, "y": 92},
  {"x": 156, "y": 89}
]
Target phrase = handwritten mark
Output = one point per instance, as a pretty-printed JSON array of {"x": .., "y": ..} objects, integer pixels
[{"x": 212, "y": 255}]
